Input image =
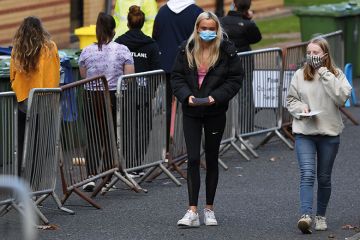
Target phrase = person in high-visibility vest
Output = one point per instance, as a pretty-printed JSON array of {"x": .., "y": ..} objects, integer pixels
[{"x": 149, "y": 7}]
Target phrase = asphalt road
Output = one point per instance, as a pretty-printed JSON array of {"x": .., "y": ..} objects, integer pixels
[{"x": 256, "y": 199}]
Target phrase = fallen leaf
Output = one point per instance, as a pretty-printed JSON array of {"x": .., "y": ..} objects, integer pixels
[
  {"x": 273, "y": 159},
  {"x": 348, "y": 227},
  {"x": 48, "y": 227}
]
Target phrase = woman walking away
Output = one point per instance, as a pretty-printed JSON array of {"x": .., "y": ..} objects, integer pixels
[
  {"x": 316, "y": 92},
  {"x": 206, "y": 76},
  {"x": 103, "y": 58},
  {"x": 34, "y": 63}
]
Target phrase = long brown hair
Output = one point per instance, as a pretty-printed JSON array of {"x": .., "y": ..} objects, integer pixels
[
  {"x": 28, "y": 41},
  {"x": 105, "y": 25},
  {"x": 309, "y": 71},
  {"x": 194, "y": 54}
]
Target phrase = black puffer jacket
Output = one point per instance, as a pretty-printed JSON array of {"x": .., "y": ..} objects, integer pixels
[
  {"x": 222, "y": 81},
  {"x": 240, "y": 30}
]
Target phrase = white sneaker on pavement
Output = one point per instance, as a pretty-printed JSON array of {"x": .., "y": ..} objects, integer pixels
[
  {"x": 304, "y": 224},
  {"x": 190, "y": 219},
  {"x": 320, "y": 223},
  {"x": 209, "y": 217},
  {"x": 89, "y": 187}
]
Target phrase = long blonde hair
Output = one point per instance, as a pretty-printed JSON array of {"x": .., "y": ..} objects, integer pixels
[
  {"x": 194, "y": 53},
  {"x": 28, "y": 41},
  {"x": 309, "y": 71}
]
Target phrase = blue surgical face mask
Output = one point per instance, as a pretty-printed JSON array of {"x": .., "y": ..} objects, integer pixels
[
  {"x": 207, "y": 35},
  {"x": 232, "y": 7}
]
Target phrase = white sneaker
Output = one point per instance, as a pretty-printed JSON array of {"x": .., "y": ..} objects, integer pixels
[
  {"x": 113, "y": 188},
  {"x": 320, "y": 223},
  {"x": 190, "y": 219},
  {"x": 304, "y": 224},
  {"x": 89, "y": 187},
  {"x": 209, "y": 217}
]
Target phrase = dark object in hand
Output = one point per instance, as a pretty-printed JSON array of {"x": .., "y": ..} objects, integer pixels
[{"x": 201, "y": 101}]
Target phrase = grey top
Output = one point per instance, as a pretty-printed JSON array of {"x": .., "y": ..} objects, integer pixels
[{"x": 325, "y": 93}]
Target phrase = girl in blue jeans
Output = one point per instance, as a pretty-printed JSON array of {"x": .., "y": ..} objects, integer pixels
[{"x": 316, "y": 92}]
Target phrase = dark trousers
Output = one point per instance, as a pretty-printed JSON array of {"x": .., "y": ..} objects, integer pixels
[
  {"x": 21, "y": 136},
  {"x": 213, "y": 129}
]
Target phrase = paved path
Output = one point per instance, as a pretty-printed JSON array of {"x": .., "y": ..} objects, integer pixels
[{"x": 255, "y": 200}]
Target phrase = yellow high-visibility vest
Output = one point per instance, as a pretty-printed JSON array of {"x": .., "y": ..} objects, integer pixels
[{"x": 149, "y": 7}]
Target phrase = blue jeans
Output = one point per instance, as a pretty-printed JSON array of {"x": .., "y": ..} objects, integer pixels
[{"x": 315, "y": 150}]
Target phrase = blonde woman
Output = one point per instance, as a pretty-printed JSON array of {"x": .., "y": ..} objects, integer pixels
[
  {"x": 34, "y": 63},
  {"x": 318, "y": 87},
  {"x": 206, "y": 75}
]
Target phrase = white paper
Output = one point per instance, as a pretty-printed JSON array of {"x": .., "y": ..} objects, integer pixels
[{"x": 309, "y": 114}]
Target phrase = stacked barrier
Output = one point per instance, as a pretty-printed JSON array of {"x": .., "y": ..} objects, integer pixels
[
  {"x": 177, "y": 145},
  {"x": 88, "y": 142},
  {"x": 8, "y": 133},
  {"x": 229, "y": 136},
  {"x": 20, "y": 192},
  {"x": 141, "y": 122},
  {"x": 41, "y": 145},
  {"x": 260, "y": 98},
  {"x": 8, "y": 146}
]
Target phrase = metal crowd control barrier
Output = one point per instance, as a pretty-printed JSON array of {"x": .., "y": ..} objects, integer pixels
[
  {"x": 88, "y": 145},
  {"x": 177, "y": 145},
  {"x": 294, "y": 58},
  {"x": 20, "y": 200},
  {"x": 260, "y": 98},
  {"x": 8, "y": 146},
  {"x": 41, "y": 145},
  {"x": 141, "y": 122},
  {"x": 8, "y": 133},
  {"x": 229, "y": 137}
]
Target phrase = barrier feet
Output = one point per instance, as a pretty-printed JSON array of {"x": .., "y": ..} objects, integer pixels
[
  {"x": 223, "y": 165},
  {"x": 60, "y": 206}
]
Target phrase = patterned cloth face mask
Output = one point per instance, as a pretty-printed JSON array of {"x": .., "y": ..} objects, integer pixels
[{"x": 314, "y": 60}]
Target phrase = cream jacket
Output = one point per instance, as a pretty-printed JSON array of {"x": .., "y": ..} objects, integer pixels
[{"x": 326, "y": 93}]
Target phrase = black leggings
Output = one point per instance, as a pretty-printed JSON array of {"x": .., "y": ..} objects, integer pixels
[{"x": 213, "y": 129}]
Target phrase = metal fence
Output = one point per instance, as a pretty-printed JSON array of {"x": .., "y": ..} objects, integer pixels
[
  {"x": 19, "y": 191},
  {"x": 229, "y": 137},
  {"x": 8, "y": 133},
  {"x": 141, "y": 122},
  {"x": 177, "y": 146},
  {"x": 261, "y": 99},
  {"x": 8, "y": 146},
  {"x": 88, "y": 144},
  {"x": 41, "y": 145}
]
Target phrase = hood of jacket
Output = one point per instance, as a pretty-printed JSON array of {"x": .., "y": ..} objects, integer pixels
[
  {"x": 178, "y": 6},
  {"x": 134, "y": 39}
]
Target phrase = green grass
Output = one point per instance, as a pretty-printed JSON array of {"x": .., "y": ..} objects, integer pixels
[
  {"x": 269, "y": 28},
  {"x": 273, "y": 42},
  {"x": 310, "y": 2},
  {"x": 286, "y": 24}
]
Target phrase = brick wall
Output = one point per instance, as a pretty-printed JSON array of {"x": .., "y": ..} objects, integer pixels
[{"x": 55, "y": 15}]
